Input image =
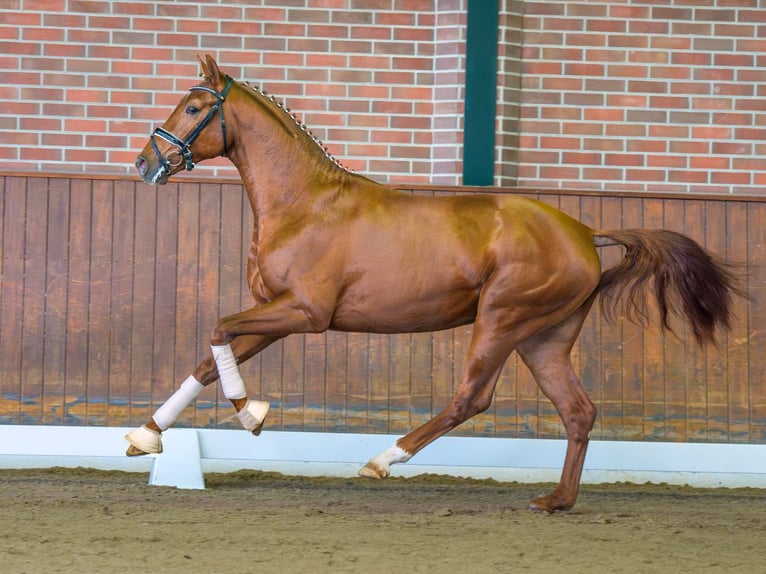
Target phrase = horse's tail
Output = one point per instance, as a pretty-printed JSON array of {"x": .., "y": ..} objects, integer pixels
[{"x": 687, "y": 280}]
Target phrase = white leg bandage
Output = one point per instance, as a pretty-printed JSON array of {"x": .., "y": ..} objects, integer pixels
[
  {"x": 231, "y": 381},
  {"x": 391, "y": 455},
  {"x": 169, "y": 412},
  {"x": 380, "y": 466},
  {"x": 254, "y": 412}
]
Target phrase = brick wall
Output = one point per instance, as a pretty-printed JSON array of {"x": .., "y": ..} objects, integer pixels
[
  {"x": 644, "y": 95},
  {"x": 379, "y": 81},
  {"x": 611, "y": 94}
]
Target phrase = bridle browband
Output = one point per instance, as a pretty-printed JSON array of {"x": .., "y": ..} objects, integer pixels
[{"x": 184, "y": 149}]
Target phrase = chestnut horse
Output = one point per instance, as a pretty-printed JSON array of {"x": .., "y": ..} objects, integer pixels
[{"x": 335, "y": 250}]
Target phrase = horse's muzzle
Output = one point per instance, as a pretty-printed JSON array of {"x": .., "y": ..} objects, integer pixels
[{"x": 152, "y": 177}]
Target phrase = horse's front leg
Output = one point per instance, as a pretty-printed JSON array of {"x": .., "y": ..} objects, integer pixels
[{"x": 147, "y": 438}]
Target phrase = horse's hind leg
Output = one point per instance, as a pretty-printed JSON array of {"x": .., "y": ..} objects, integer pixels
[
  {"x": 495, "y": 333},
  {"x": 547, "y": 355},
  {"x": 147, "y": 438}
]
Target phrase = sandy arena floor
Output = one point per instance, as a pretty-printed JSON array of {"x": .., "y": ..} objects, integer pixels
[{"x": 86, "y": 521}]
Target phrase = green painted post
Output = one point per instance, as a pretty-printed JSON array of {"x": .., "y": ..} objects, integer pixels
[{"x": 480, "y": 93}]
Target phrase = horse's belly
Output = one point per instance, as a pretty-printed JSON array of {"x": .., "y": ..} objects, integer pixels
[{"x": 391, "y": 314}]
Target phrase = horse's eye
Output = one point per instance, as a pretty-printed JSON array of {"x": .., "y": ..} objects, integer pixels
[{"x": 192, "y": 111}]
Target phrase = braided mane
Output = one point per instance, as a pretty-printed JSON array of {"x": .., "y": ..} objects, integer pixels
[{"x": 292, "y": 115}]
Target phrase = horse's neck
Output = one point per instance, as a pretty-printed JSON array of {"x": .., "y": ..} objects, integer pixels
[
  {"x": 277, "y": 187},
  {"x": 285, "y": 170}
]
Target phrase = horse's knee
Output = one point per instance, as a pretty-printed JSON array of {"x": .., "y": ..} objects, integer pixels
[
  {"x": 579, "y": 421},
  {"x": 220, "y": 336}
]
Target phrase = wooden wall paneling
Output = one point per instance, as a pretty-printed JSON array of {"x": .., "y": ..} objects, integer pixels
[
  {"x": 33, "y": 320},
  {"x": 188, "y": 230},
  {"x": 400, "y": 419},
  {"x": 109, "y": 290},
  {"x": 78, "y": 303},
  {"x": 632, "y": 339},
  {"x": 675, "y": 352},
  {"x": 357, "y": 365},
  {"x": 549, "y": 423},
  {"x": 379, "y": 383},
  {"x": 738, "y": 351},
  {"x": 461, "y": 342},
  {"x": 99, "y": 309},
  {"x": 756, "y": 328},
  {"x": 12, "y": 298},
  {"x": 209, "y": 235},
  {"x": 654, "y": 348},
  {"x": 229, "y": 279},
  {"x": 146, "y": 258},
  {"x": 695, "y": 402},
  {"x": 293, "y": 394},
  {"x": 442, "y": 371},
  {"x": 314, "y": 372},
  {"x": 173, "y": 330},
  {"x": 336, "y": 377},
  {"x": 121, "y": 315},
  {"x": 421, "y": 381},
  {"x": 716, "y": 358},
  {"x": 55, "y": 321},
  {"x": 590, "y": 344}
]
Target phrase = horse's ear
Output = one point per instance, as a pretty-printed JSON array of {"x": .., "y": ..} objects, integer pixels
[
  {"x": 210, "y": 70},
  {"x": 204, "y": 73}
]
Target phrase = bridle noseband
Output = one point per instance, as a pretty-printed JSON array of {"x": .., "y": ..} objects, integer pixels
[{"x": 184, "y": 149}]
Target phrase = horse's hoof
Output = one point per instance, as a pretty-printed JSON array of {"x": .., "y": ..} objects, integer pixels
[
  {"x": 549, "y": 505},
  {"x": 372, "y": 470},
  {"x": 142, "y": 441},
  {"x": 133, "y": 451},
  {"x": 253, "y": 415}
]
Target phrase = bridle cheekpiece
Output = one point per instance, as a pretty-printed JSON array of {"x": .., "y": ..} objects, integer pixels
[{"x": 184, "y": 146}]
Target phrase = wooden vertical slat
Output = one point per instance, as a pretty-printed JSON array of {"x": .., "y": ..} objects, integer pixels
[
  {"x": 675, "y": 350},
  {"x": 357, "y": 365},
  {"x": 99, "y": 309},
  {"x": 171, "y": 355},
  {"x": 143, "y": 339},
  {"x": 738, "y": 351},
  {"x": 314, "y": 373},
  {"x": 378, "y": 382},
  {"x": 54, "y": 341},
  {"x": 121, "y": 313},
  {"x": 78, "y": 303},
  {"x": 33, "y": 324},
  {"x": 400, "y": 420},
  {"x": 755, "y": 280},
  {"x": 335, "y": 375},
  {"x": 12, "y": 298},
  {"x": 183, "y": 241},
  {"x": 716, "y": 358},
  {"x": 632, "y": 340},
  {"x": 209, "y": 235},
  {"x": 654, "y": 349},
  {"x": 695, "y": 404}
]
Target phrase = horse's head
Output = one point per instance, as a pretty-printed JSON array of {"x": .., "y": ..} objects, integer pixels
[{"x": 188, "y": 136}]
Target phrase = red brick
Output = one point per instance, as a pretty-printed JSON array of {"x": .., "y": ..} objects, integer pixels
[
  {"x": 709, "y": 162},
  {"x": 666, "y": 161},
  {"x": 688, "y": 176},
  {"x": 689, "y": 147},
  {"x": 731, "y": 177},
  {"x": 732, "y": 148}
]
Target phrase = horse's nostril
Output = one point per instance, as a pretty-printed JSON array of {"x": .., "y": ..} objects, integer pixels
[{"x": 141, "y": 165}]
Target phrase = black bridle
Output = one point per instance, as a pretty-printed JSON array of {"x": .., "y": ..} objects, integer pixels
[{"x": 183, "y": 145}]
